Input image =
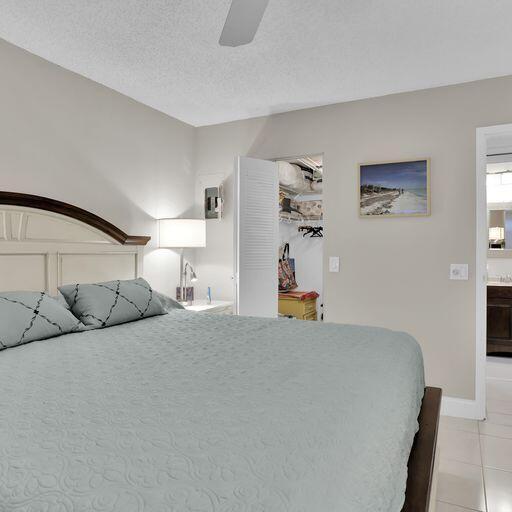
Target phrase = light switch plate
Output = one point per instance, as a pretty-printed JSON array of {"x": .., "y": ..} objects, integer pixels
[
  {"x": 334, "y": 263},
  {"x": 459, "y": 271}
]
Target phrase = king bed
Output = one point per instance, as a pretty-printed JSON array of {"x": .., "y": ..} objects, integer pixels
[{"x": 188, "y": 412}]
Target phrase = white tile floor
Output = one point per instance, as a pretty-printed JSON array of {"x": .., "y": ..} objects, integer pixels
[{"x": 475, "y": 468}]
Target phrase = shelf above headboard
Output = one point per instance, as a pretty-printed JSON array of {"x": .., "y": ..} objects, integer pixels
[{"x": 74, "y": 212}]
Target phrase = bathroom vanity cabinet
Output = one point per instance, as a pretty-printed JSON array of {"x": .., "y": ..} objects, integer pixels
[{"x": 499, "y": 319}]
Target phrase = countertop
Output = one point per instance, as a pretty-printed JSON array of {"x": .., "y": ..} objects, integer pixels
[{"x": 214, "y": 306}]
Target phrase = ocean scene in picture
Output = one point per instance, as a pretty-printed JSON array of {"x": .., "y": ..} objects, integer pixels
[{"x": 399, "y": 188}]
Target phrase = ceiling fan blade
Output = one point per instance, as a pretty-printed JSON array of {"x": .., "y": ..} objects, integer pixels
[{"x": 242, "y": 22}]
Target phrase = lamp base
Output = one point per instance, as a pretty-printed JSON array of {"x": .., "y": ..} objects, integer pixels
[{"x": 188, "y": 295}]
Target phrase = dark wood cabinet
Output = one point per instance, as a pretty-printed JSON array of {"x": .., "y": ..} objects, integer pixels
[{"x": 499, "y": 320}]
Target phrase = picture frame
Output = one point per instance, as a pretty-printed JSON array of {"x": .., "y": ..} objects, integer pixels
[{"x": 397, "y": 188}]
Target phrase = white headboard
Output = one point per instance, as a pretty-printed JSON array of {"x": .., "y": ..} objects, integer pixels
[{"x": 46, "y": 243}]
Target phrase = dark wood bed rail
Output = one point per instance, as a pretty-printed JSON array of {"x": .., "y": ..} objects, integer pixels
[
  {"x": 52, "y": 205},
  {"x": 422, "y": 459}
]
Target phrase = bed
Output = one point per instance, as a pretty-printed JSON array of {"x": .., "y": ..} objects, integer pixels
[{"x": 188, "y": 412}]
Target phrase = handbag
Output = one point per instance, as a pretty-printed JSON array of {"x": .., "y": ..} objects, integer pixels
[{"x": 286, "y": 271}]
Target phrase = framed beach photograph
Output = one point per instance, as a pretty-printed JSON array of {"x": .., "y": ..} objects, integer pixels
[{"x": 395, "y": 189}]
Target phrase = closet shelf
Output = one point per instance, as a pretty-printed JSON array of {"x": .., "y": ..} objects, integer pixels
[
  {"x": 294, "y": 217},
  {"x": 296, "y": 193}
]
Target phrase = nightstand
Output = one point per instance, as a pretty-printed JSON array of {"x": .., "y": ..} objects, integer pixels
[{"x": 222, "y": 307}]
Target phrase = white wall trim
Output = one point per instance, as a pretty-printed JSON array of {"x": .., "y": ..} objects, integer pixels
[
  {"x": 454, "y": 405},
  {"x": 460, "y": 407}
]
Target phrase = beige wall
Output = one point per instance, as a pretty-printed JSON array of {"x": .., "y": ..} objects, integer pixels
[
  {"x": 69, "y": 138},
  {"x": 394, "y": 272}
]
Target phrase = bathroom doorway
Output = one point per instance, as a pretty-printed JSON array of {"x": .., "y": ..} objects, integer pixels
[{"x": 493, "y": 379}]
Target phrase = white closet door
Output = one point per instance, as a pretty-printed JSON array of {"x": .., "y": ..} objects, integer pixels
[{"x": 256, "y": 237}]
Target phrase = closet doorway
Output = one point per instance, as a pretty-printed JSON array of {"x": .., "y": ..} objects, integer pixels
[
  {"x": 278, "y": 202},
  {"x": 300, "y": 271}
]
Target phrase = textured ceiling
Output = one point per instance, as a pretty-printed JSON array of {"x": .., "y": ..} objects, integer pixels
[{"x": 165, "y": 53}]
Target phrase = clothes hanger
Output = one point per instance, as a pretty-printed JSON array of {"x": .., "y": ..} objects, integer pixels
[{"x": 312, "y": 231}]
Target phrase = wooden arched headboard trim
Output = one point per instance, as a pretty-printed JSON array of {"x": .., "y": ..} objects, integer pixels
[{"x": 52, "y": 205}]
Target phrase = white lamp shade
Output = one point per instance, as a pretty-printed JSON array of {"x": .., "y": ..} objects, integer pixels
[
  {"x": 182, "y": 233},
  {"x": 496, "y": 233},
  {"x": 497, "y": 218}
]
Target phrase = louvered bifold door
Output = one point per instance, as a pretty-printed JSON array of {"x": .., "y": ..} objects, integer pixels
[{"x": 256, "y": 237}]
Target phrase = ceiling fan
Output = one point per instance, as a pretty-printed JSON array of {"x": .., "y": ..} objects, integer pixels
[{"x": 242, "y": 22}]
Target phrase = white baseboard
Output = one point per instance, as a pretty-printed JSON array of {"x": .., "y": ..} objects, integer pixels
[{"x": 461, "y": 408}]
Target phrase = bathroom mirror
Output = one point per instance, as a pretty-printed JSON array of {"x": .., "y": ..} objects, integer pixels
[{"x": 500, "y": 229}]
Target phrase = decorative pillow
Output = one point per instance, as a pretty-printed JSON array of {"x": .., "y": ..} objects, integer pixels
[
  {"x": 113, "y": 302},
  {"x": 167, "y": 302},
  {"x": 61, "y": 300},
  {"x": 31, "y": 316}
]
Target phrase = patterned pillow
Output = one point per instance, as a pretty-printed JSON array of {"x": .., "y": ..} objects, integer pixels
[
  {"x": 31, "y": 316},
  {"x": 113, "y": 302},
  {"x": 167, "y": 303}
]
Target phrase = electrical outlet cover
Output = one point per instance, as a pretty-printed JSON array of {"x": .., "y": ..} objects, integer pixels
[
  {"x": 459, "y": 271},
  {"x": 334, "y": 264}
]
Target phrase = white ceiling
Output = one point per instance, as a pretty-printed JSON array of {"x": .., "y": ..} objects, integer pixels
[{"x": 165, "y": 53}]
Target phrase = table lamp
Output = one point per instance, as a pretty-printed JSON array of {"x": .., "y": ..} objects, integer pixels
[
  {"x": 496, "y": 227},
  {"x": 181, "y": 234}
]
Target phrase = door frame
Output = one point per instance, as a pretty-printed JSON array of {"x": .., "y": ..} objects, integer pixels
[{"x": 482, "y": 135}]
